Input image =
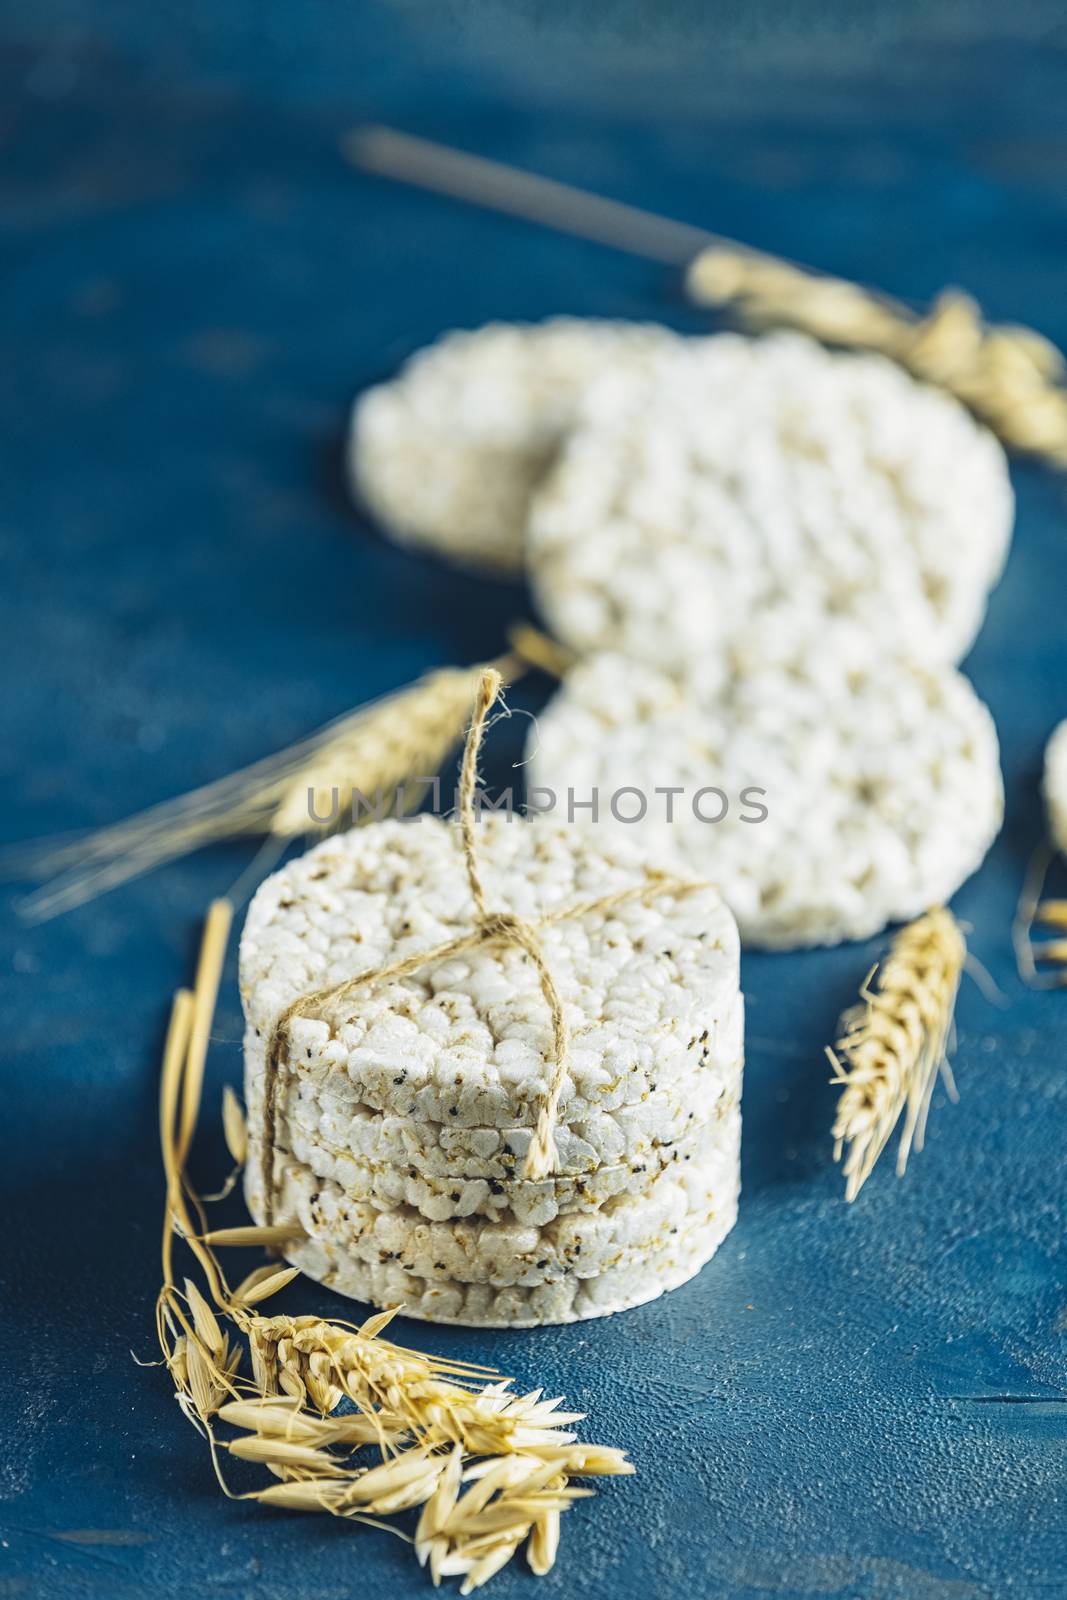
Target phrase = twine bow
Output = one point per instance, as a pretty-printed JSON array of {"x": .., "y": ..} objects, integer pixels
[{"x": 490, "y": 927}]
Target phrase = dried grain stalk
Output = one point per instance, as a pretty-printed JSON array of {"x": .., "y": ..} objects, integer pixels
[
  {"x": 1052, "y": 914},
  {"x": 342, "y": 1420},
  {"x": 1010, "y": 376},
  {"x": 375, "y": 761},
  {"x": 1041, "y": 964},
  {"x": 540, "y": 650},
  {"x": 894, "y": 1044}
]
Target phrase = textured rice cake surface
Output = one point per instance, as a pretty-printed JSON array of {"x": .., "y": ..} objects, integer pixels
[
  {"x": 567, "y": 1299},
  {"x": 468, "y": 1043},
  {"x": 734, "y": 476},
  {"x": 625, "y": 1228},
  {"x": 448, "y": 454},
  {"x": 493, "y": 1188},
  {"x": 1056, "y": 786},
  {"x": 622, "y": 1250},
  {"x": 329, "y": 1107},
  {"x": 881, "y": 783}
]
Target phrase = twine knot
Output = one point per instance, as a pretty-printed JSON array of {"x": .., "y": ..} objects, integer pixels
[{"x": 502, "y": 925}]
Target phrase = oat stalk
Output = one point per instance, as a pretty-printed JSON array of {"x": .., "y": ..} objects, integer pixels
[
  {"x": 894, "y": 1044},
  {"x": 340, "y": 1419},
  {"x": 377, "y": 760}
]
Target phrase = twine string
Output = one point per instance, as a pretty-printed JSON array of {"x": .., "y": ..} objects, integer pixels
[
  {"x": 490, "y": 927},
  {"x": 485, "y": 696},
  {"x": 542, "y": 1156}
]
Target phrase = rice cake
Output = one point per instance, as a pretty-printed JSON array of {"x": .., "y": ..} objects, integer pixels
[
  {"x": 447, "y": 455},
  {"x": 1055, "y": 786},
  {"x": 569, "y": 1299},
  {"x": 733, "y": 476},
  {"x": 328, "y": 1110},
  {"x": 467, "y": 1044},
  {"x": 509, "y": 1253},
  {"x": 881, "y": 783},
  {"x": 496, "y": 1189}
]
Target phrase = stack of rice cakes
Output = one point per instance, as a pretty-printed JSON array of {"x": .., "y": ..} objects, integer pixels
[{"x": 405, "y": 1110}]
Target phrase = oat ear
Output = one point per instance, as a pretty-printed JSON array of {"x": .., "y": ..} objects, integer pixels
[{"x": 432, "y": 1421}]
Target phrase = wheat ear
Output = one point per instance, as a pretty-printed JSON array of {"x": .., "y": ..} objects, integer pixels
[
  {"x": 374, "y": 761},
  {"x": 1010, "y": 376},
  {"x": 894, "y": 1043}
]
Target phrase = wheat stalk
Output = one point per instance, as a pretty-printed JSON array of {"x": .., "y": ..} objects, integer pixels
[
  {"x": 1010, "y": 376},
  {"x": 1053, "y": 914},
  {"x": 536, "y": 649},
  {"x": 1041, "y": 965},
  {"x": 487, "y": 1469},
  {"x": 384, "y": 754},
  {"x": 894, "y": 1044}
]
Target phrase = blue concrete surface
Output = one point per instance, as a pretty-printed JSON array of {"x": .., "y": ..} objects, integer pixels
[{"x": 865, "y": 1403}]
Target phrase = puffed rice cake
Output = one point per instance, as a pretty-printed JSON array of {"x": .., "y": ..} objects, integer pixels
[
  {"x": 1055, "y": 786},
  {"x": 622, "y": 1231},
  {"x": 448, "y": 454},
  {"x": 732, "y": 476},
  {"x": 881, "y": 782},
  {"x": 435, "y": 1169},
  {"x": 484, "y": 1305},
  {"x": 407, "y": 1108}
]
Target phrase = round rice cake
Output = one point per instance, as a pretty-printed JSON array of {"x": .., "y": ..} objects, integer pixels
[
  {"x": 732, "y": 476},
  {"x": 477, "y": 1192},
  {"x": 626, "y": 1227},
  {"x": 448, "y": 1066},
  {"x": 650, "y": 987},
  {"x": 824, "y": 803},
  {"x": 1056, "y": 786},
  {"x": 448, "y": 455},
  {"x": 331, "y": 1113},
  {"x": 383, "y": 1120},
  {"x": 445, "y": 1069},
  {"x": 483, "y": 1305}
]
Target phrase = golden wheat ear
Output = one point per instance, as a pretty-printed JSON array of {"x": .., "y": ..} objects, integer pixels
[
  {"x": 1010, "y": 376},
  {"x": 385, "y": 754},
  {"x": 893, "y": 1045}
]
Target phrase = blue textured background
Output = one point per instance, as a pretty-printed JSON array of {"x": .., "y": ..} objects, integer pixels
[{"x": 864, "y": 1402}]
